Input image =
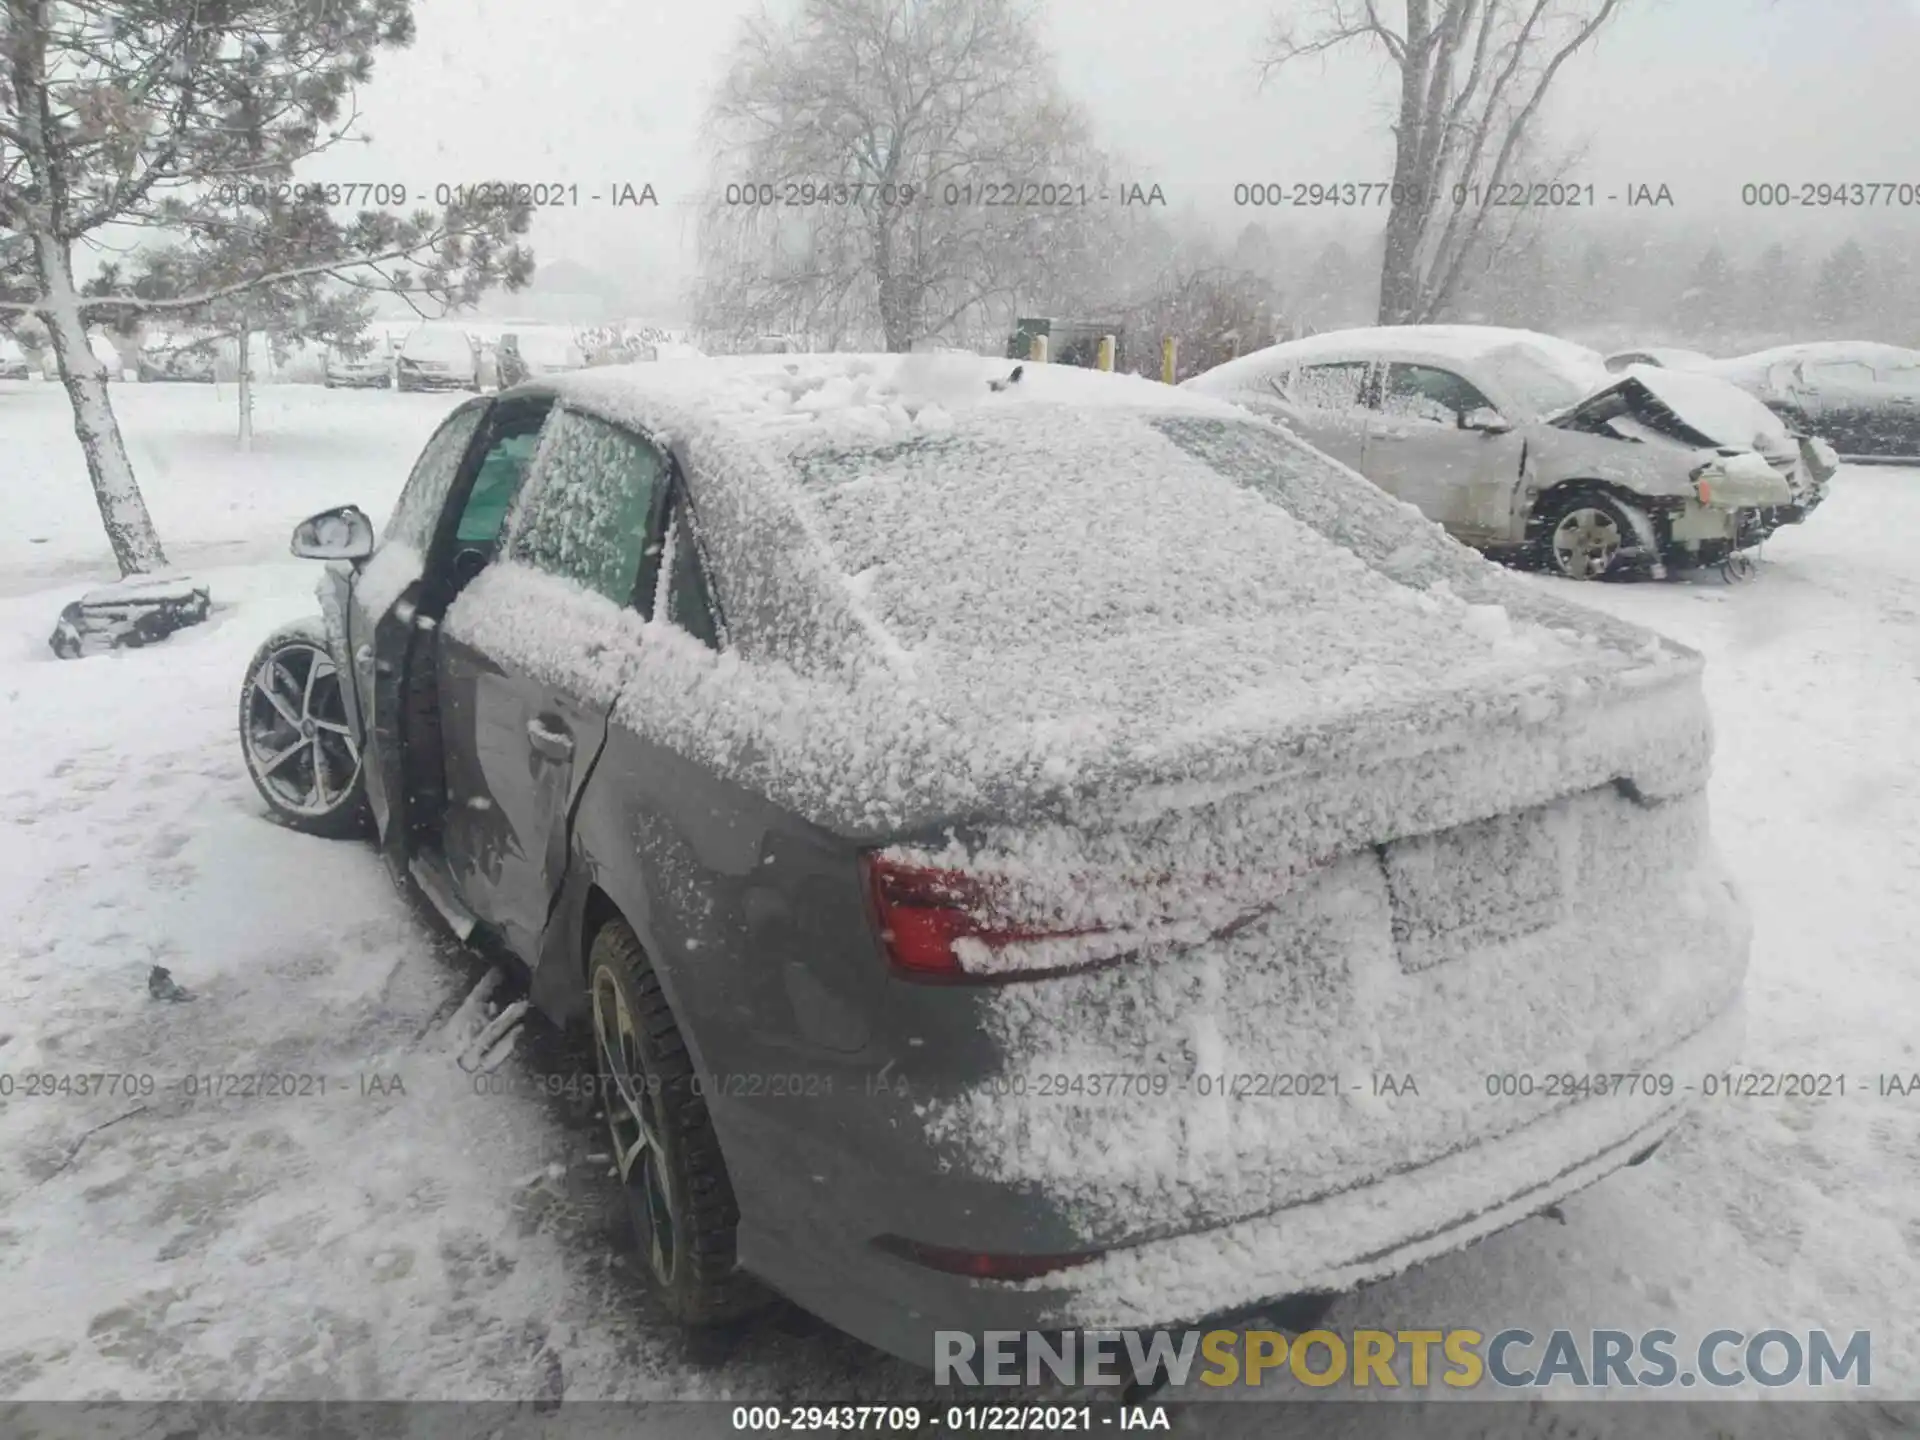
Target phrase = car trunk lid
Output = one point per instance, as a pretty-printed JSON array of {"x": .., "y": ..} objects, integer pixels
[{"x": 1402, "y": 943}]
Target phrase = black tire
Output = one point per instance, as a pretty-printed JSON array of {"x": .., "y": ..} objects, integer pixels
[
  {"x": 1582, "y": 535},
  {"x": 309, "y": 732},
  {"x": 692, "y": 1258}
]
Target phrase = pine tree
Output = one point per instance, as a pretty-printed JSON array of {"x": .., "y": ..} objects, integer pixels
[
  {"x": 1844, "y": 290},
  {"x": 187, "y": 121},
  {"x": 1706, "y": 304}
]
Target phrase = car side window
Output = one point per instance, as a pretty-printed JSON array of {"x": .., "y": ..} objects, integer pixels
[
  {"x": 416, "y": 514},
  {"x": 684, "y": 588},
  {"x": 593, "y": 497},
  {"x": 514, "y": 436},
  {"x": 1840, "y": 374},
  {"x": 1340, "y": 386},
  {"x": 1425, "y": 392}
]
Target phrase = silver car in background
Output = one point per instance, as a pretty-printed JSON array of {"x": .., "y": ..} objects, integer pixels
[
  {"x": 437, "y": 358},
  {"x": 1862, "y": 397},
  {"x": 1525, "y": 447}
]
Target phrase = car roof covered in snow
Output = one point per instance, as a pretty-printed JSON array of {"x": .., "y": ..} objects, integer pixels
[
  {"x": 1437, "y": 344},
  {"x": 800, "y": 399},
  {"x": 1862, "y": 352}
]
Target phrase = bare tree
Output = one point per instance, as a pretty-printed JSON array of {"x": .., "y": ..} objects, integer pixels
[
  {"x": 185, "y": 118},
  {"x": 1212, "y": 309},
  {"x": 1473, "y": 75},
  {"x": 891, "y": 168}
]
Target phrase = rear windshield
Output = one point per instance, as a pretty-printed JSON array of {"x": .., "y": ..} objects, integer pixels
[{"x": 1048, "y": 525}]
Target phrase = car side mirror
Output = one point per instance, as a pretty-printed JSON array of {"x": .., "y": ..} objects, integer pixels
[
  {"x": 340, "y": 534},
  {"x": 1486, "y": 420}
]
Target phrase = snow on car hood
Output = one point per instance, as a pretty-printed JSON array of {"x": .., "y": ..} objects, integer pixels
[
  {"x": 1080, "y": 591},
  {"x": 1721, "y": 413}
]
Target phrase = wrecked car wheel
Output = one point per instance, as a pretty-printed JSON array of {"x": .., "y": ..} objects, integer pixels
[
  {"x": 299, "y": 748},
  {"x": 1585, "y": 536},
  {"x": 665, "y": 1153}
]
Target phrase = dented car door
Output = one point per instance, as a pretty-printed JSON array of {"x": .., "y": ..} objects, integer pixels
[{"x": 537, "y": 688}]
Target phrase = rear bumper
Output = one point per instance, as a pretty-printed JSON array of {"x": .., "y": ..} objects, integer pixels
[
  {"x": 437, "y": 382},
  {"x": 1328, "y": 1244}
]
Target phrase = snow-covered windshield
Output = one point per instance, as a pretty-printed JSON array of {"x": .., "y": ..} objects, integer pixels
[
  {"x": 1537, "y": 384},
  {"x": 448, "y": 345},
  {"x": 1052, "y": 527}
]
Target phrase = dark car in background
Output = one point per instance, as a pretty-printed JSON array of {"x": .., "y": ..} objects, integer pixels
[
  {"x": 367, "y": 364},
  {"x": 882, "y": 756},
  {"x": 1860, "y": 397}
]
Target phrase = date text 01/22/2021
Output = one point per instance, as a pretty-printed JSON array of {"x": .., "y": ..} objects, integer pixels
[
  {"x": 1537, "y": 195},
  {"x": 954, "y": 1419},
  {"x": 396, "y": 194},
  {"x": 1040, "y": 194}
]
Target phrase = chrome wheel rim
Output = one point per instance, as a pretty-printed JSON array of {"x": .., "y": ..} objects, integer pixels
[
  {"x": 635, "y": 1121},
  {"x": 1585, "y": 543},
  {"x": 297, "y": 740}
]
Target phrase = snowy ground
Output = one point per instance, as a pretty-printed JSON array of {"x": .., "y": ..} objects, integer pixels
[{"x": 447, "y": 1243}]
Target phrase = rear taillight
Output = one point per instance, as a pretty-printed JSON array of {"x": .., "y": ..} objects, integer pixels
[
  {"x": 979, "y": 1266},
  {"x": 922, "y": 913}
]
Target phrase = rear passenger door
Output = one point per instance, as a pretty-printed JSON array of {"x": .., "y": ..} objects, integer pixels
[
  {"x": 1328, "y": 407},
  {"x": 535, "y": 656}
]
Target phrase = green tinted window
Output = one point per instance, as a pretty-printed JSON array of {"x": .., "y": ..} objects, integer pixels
[{"x": 494, "y": 488}]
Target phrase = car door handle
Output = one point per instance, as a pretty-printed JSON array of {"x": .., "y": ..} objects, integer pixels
[{"x": 554, "y": 744}]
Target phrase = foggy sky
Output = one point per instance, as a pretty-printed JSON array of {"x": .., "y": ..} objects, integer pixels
[{"x": 1700, "y": 95}]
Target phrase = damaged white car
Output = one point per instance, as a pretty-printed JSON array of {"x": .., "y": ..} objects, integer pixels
[{"x": 1525, "y": 447}]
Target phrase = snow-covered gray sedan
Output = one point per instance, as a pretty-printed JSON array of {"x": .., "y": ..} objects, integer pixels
[
  {"x": 1035, "y": 849},
  {"x": 1862, "y": 397},
  {"x": 1526, "y": 447}
]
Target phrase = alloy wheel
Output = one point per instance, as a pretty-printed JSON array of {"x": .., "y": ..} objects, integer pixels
[
  {"x": 297, "y": 739},
  {"x": 636, "y": 1119},
  {"x": 1585, "y": 543}
]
